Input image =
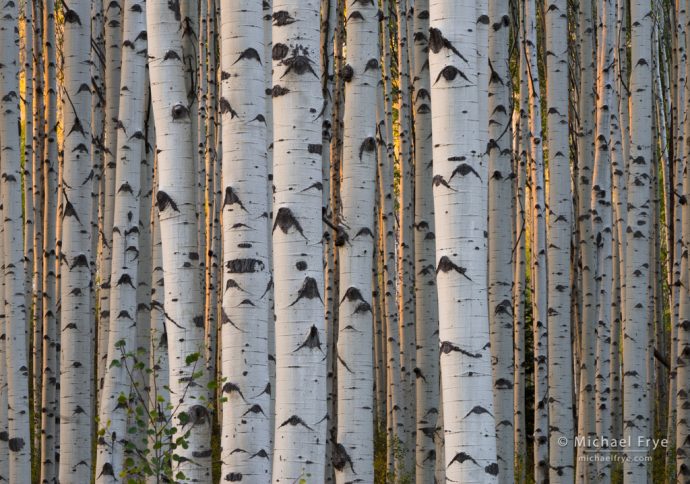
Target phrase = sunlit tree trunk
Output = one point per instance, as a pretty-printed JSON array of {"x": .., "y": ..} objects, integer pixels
[
  {"x": 537, "y": 211},
  {"x": 559, "y": 199},
  {"x": 49, "y": 365},
  {"x": 520, "y": 265},
  {"x": 602, "y": 226},
  {"x": 586, "y": 258},
  {"x": 460, "y": 202}
]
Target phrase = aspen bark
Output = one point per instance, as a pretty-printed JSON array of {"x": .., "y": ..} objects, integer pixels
[
  {"x": 176, "y": 200},
  {"x": 500, "y": 235},
  {"x": 13, "y": 264},
  {"x": 636, "y": 418},
  {"x": 460, "y": 200},
  {"x": 246, "y": 246},
  {"x": 75, "y": 252},
  {"x": 426, "y": 370},
  {"x": 122, "y": 336},
  {"x": 300, "y": 405},
  {"x": 353, "y": 452}
]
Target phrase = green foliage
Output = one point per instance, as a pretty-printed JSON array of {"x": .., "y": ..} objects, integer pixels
[
  {"x": 382, "y": 474},
  {"x": 150, "y": 448}
]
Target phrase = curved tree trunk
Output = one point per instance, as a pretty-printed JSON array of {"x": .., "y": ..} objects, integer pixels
[
  {"x": 460, "y": 199},
  {"x": 300, "y": 406}
]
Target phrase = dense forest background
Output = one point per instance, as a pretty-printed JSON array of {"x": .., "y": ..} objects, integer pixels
[{"x": 314, "y": 241}]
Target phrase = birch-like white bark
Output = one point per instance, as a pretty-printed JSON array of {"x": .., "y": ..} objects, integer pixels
[
  {"x": 300, "y": 406},
  {"x": 460, "y": 202},
  {"x": 245, "y": 431}
]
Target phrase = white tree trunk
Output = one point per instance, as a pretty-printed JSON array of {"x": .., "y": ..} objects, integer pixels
[
  {"x": 76, "y": 417},
  {"x": 561, "y": 423},
  {"x": 460, "y": 202},
  {"x": 176, "y": 200},
  {"x": 122, "y": 337},
  {"x": 246, "y": 246},
  {"x": 300, "y": 406},
  {"x": 586, "y": 260},
  {"x": 354, "y": 451},
  {"x": 113, "y": 59},
  {"x": 602, "y": 226},
  {"x": 501, "y": 235},
  {"x": 49, "y": 366},
  {"x": 426, "y": 371},
  {"x": 636, "y": 418},
  {"x": 13, "y": 267}
]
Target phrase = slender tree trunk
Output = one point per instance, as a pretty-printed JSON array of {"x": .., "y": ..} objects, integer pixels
[
  {"x": 561, "y": 423},
  {"x": 353, "y": 453},
  {"x": 538, "y": 251},
  {"x": 122, "y": 339},
  {"x": 587, "y": 263},
  {"x": 176, "y": 200},
  {"x": 13, "y": 266},
  {"x": 75, "y": 253},
  {"x": 460, "y": 193},
  {"x": 49, "y": 365},
  {"x": 426, "y": 305},
  {"x": 500, "y": 235},
  {"x": 635, "y": 392},
  {"x": 300, "y": 407},
  {"x": 113, "y": 59},
  {"x": 602, "y": 222}
]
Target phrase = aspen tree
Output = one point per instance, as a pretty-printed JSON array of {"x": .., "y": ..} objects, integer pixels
[
  {"x": 122, "y": 336},
  {"x": 300, "y": 405},
  {"x": 113, "y": 59},
  {"x": 49, "y": 366},
  {"x": 176, "y": 201},
  {"x": 586, "y": 244},
  {"x": 75, "y": 252},
  {"x": 246, "y": 271},
  {"x": 602, "y": 221},
  {"x": 636, "y": 418},
  {"x": 13, "y": 264},
  {"x": 537, "y": 210},
  {"x": 460, "y": 203},
  {"x": 353, "y": 452},
  {"x": 500, "y": 234},
  {"x": 426, "y": 370},
  {"x": 561, "y": 424}
]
